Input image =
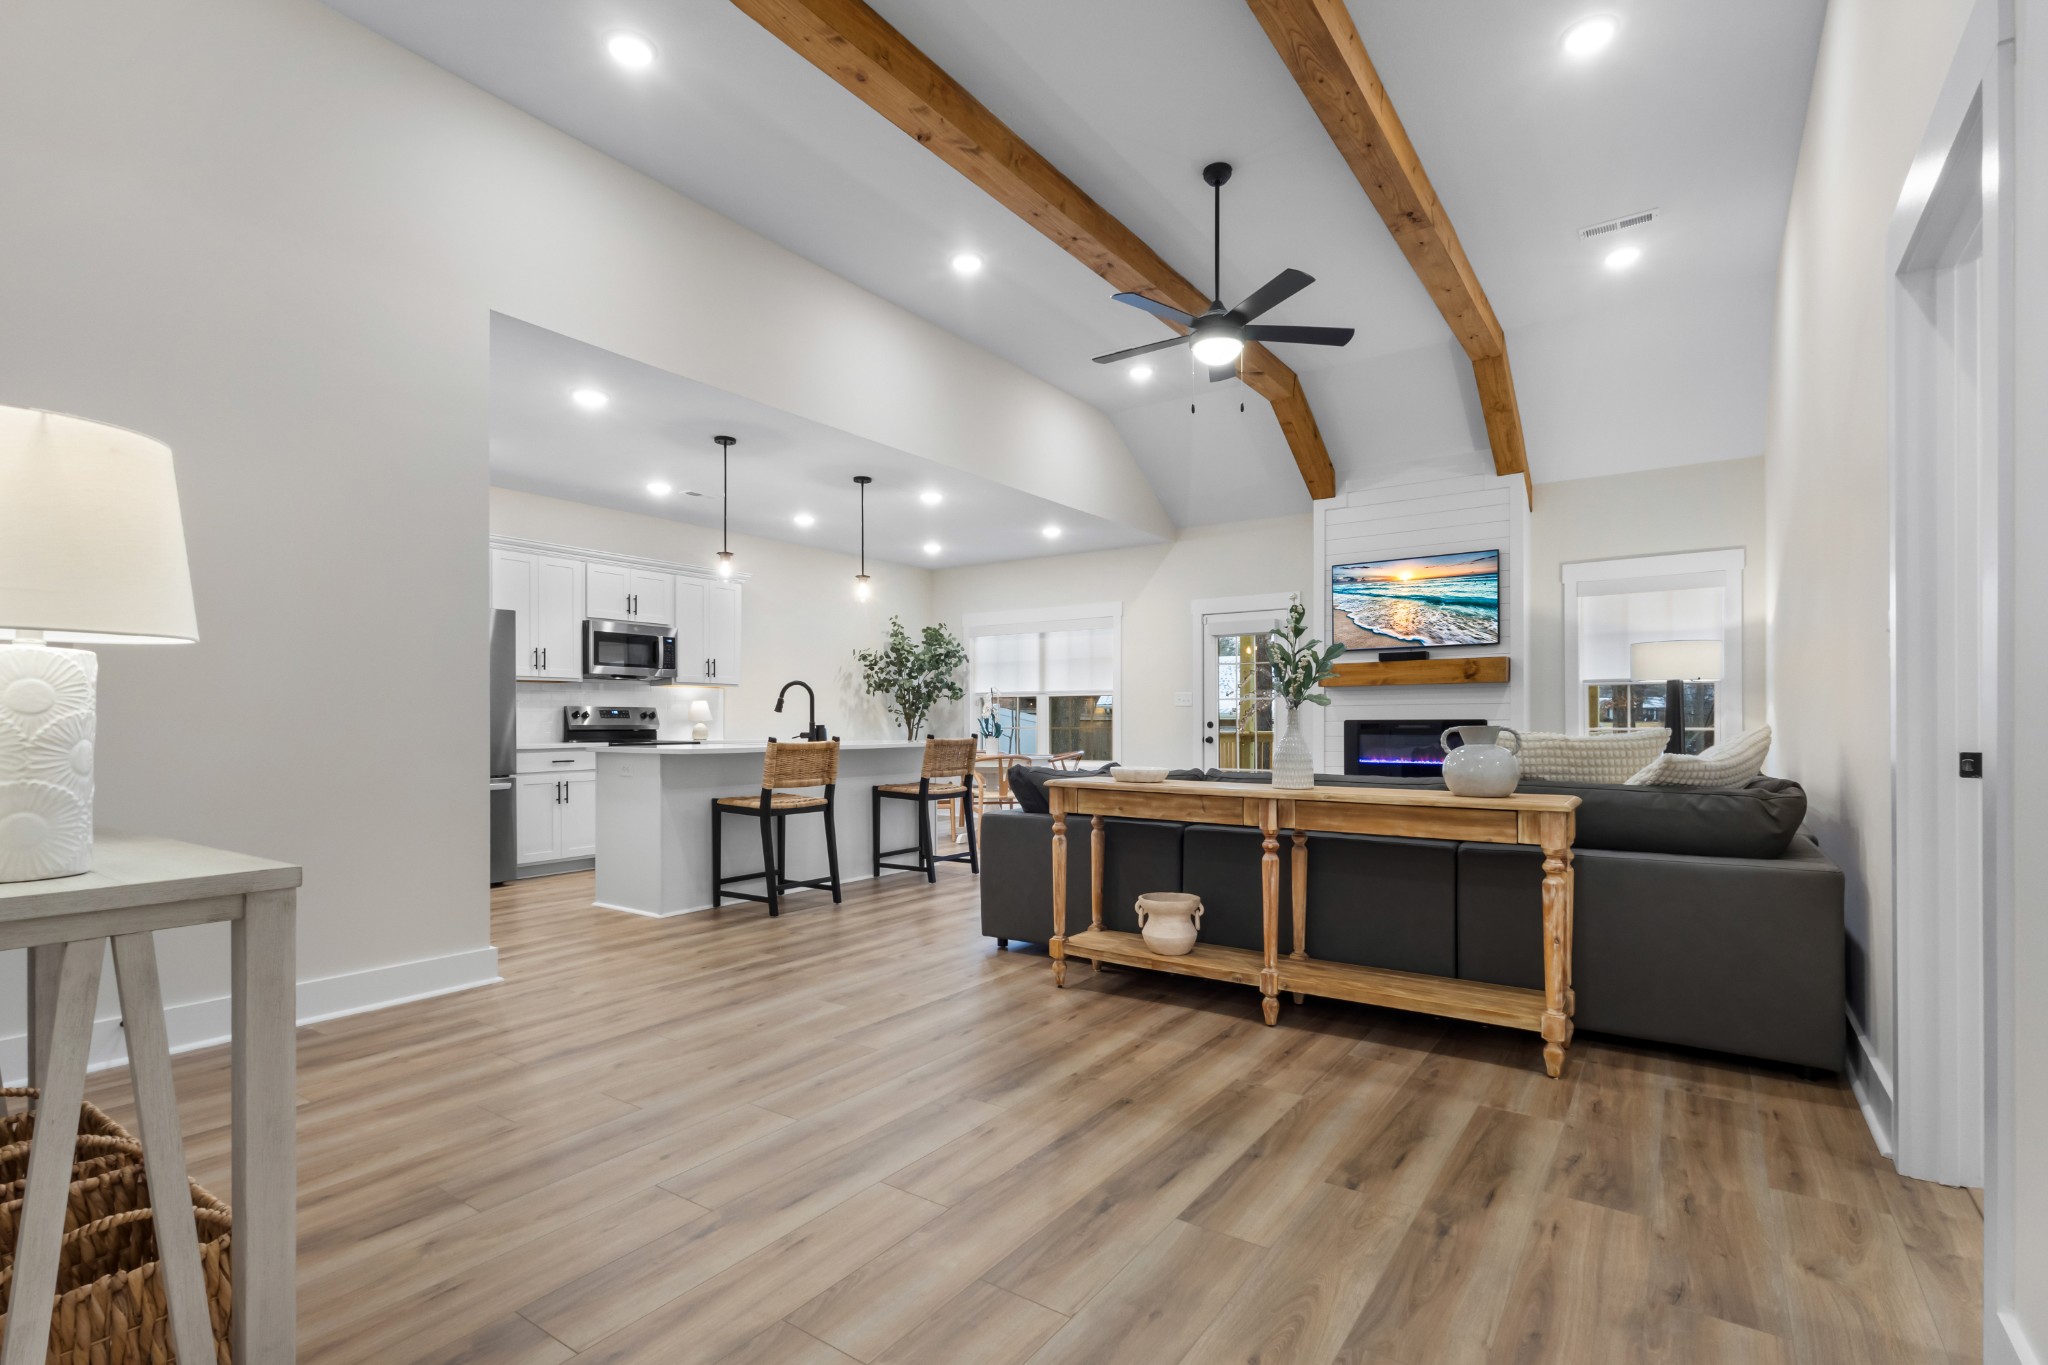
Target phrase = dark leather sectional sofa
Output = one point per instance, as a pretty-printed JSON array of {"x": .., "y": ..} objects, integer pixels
[{"x": 1703, "y": 918}]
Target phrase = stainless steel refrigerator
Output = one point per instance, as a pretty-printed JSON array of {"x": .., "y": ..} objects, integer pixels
[{"x": 504, "y": 748}]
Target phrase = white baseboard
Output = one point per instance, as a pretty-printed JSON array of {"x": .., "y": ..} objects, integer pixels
[
  {"x": 205, "y": 1023},
  {"x": 2010, "y": 1346},
  {"x": 1872, "y": 1083}
]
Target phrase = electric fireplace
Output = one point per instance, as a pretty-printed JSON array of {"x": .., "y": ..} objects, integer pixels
[{"x": 1396, "y": 748}]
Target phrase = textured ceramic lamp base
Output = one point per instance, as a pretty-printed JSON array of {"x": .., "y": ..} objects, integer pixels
[{"x": 46, "y": 739}]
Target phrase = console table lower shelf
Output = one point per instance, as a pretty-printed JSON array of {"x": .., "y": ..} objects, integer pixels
[{"x": 1478, "y": 1001}]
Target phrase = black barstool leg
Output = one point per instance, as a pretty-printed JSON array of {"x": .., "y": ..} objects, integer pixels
[
  {"x": 781, "y": 851},
  {"x": 717, "y": 854},
  {"x": 973, "y": 853},
  {"x": 768, "y": 858},
  {"x": 832, "y": 841},
  {"x": 926, "y": 818},
  {"x": 875, "y": 793}
]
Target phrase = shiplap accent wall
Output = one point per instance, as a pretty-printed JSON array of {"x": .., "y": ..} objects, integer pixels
[{"x": 1422, "y": 516}]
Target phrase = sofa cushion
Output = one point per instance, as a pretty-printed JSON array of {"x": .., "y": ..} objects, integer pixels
[
  {"x": 1729, "y": 764},
  {"x": 1027, "y": 784},
  {"x": 1603, "y": 758}
]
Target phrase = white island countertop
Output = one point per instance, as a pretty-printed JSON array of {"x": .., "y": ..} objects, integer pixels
[{"x": 677, "y": 748}]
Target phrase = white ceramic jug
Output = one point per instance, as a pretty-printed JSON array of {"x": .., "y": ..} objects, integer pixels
[
  {"x": 1169, "y": 921},
  {"x": 1482, "y": 764}
]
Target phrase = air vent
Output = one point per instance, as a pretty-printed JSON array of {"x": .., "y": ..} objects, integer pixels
[{"x": 1621, "y": 224}]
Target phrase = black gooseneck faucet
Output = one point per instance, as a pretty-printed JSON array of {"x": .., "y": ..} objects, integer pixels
[{"x": 814, "y": 730}]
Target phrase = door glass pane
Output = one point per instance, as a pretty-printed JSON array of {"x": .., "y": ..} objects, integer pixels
[
  {"x": 1080, "y": 725},
  {"x": 1016, "y": 725},
  {"x": 1244, "y": 701}
]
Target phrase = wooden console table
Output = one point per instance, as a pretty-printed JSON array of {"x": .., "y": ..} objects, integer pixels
[
  {"x": 1548, "y": 822},
  {"x": 138, "y": 886}
]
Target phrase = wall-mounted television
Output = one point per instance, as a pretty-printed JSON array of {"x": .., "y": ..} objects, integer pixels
[{"x": 1430, "y": 601}]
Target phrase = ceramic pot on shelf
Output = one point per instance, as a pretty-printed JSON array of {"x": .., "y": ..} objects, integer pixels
[
  {"x": 1170, "y": 922},
  {"x": 1483, "y": 764}
]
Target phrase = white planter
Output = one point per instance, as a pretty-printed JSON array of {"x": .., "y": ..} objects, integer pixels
[
  {"x": 46, "y": 755},
  {"x": 1292, "y": 766},
  {"x": 1482, "y": 765},
  {"x": 1170, "y": 922}
]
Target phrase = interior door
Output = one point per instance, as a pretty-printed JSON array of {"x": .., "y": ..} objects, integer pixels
[{"x": 1237, "y": 690}]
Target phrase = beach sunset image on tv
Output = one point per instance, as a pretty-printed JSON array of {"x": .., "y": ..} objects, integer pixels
[{"x": 1427, "y": 601}]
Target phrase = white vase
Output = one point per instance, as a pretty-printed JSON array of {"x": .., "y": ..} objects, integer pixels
[
  {"x": 1292, "y": 766},
  {"x": 46, "y": 754},
  {"x": 1170, "y": 921},
  {"x": 1482, "y": 764}
]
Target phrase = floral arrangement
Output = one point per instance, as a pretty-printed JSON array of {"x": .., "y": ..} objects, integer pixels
[{"x": 1299, "y": 663}]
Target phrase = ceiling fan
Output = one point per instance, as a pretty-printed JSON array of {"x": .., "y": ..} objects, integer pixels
[{"x": 1219, "y": 335}]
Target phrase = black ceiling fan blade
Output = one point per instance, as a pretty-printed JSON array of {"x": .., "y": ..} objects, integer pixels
[
  {"x": 1219, "y": 373},
  {"x": 1301, "y": 336},
  {"x": 1149, "y": 347},
  {"x": 1272, "y": 293},
  {"x": 1156, "y": 308}
]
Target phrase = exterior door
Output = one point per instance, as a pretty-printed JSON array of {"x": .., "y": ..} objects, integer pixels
[{"x": 1237, "y": 690}]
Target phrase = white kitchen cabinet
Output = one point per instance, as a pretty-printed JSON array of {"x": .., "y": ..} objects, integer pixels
[
  {"x": 546, "y": 592},
  {"x": 722, "y": 631},
  {"x": 693, "y": 660},
  {"x": 557, "y": 816},
  {"x": 614, "y": 592}
]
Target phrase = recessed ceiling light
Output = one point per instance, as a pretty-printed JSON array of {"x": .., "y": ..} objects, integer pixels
[
  {"x": 932, "y": 547},
  {"x": 659, "y": 489},
  {"x": 590, "y": 400},
  {"x": 1140, "y": 373},
  {"x": 805, "y": 519},
  {"x": 1622, "y": 257},
  {"x": 1589, "y": 36},
  {"x": 630, "y": 50},
  {"x": 966, "y": 263},
  {"x": 931, "y": 497},
  {"x": 1050, "y": 531}
]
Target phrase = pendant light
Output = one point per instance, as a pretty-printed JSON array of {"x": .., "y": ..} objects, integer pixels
[
  {"x": 863, "y": 586},
  {"x": 725, "y": 445}
]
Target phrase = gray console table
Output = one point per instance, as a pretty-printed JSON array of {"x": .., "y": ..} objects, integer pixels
[{"x": 138, "y": 886}]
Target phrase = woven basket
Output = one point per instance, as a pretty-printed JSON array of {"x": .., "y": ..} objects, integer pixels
[
  {"x": 110, "y": 1307},
  {"x": 92, "y": 1198}
]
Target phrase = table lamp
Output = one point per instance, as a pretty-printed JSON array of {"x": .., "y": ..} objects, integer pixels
[
  {"x": 92, "y": 551},
  {"x": 700, "y": 712},
  {"x": 1677, "y": 662}
]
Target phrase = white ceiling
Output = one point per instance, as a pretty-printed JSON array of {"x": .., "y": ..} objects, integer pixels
[
  {"x": 1696, "y": 109},
  {"x": 658, "y": 426}
]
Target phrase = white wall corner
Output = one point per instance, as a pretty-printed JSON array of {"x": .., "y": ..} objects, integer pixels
[
  {"x": 2009, "y": 1344},
  {"x": 207, "y": 1023},
  {"x": 1871, "y": 1081}
]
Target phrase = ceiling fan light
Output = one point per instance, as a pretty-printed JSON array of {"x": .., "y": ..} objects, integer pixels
[{"x": 1219, "y": 348}]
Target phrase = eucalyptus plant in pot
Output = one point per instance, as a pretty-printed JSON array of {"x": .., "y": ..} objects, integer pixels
[
  {"x": 1299, "y": 665},
  {"x": 914, "y": 676}
]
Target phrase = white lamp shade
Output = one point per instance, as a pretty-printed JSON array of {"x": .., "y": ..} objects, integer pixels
[
  {"x": 700, "y": 710},
  {"x": 92, "y": 549},
  {"x": 1692, "y": 660}
]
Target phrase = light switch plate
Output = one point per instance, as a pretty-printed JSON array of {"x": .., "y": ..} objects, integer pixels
[{"x": 1183, "y": 699}]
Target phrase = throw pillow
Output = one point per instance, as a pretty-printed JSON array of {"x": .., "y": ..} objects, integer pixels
[
  {"x": 1724, "y": 765},
  {"x": 1605, "y": 758}
]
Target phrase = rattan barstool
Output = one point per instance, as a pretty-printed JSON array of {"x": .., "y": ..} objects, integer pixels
[
  {"x": 948, "y": 775},
  {"x": 785, "y": 766}
]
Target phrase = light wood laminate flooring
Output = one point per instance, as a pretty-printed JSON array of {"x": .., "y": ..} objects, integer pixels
[{"x": 864, "y": 1135}]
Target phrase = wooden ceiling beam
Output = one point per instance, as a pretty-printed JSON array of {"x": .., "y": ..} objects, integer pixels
[
  {"x": 1321, "y": 47},
  {"x": 855, "y": 46}
]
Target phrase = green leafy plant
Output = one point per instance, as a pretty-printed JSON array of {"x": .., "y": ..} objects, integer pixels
[
  {"x": 914, "y": 676},
  {"x": 1300, "y": 664}
]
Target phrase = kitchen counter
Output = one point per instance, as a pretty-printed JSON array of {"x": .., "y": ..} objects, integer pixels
[{"x": 654, "y": 821}]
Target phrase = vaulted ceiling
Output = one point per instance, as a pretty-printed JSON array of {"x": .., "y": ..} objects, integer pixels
[{"x": 1695, "y": 110}]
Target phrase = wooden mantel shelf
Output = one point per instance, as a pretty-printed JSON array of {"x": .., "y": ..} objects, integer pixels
[{"x": 1484, "y": 668}]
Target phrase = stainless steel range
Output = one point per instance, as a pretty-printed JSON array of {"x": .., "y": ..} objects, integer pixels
[{"x": 586, "y": 724}]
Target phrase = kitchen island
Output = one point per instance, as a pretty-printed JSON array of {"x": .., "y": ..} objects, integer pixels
[{"x": 654, "y": 819}]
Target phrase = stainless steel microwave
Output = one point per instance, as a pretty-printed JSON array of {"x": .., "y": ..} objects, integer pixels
[{"x": 628, "y": 649}]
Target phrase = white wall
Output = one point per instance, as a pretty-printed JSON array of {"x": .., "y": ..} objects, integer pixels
[
  {"x": 1713, "y": 506},
  {"x": 798, "y": 616},
  {"x": 1826, "y": 501},
  {"x": 275, "y": 240},
  {"x": 1156, "y": 585}
]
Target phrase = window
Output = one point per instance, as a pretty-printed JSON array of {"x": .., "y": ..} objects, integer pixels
[
  {"x": 1244, "y": 700},
  {"x": 1615, "y": 604},
  {"x": 1045, "y": 683}
]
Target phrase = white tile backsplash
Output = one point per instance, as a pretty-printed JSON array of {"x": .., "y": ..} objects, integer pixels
[{"x": 539, "y": 718}]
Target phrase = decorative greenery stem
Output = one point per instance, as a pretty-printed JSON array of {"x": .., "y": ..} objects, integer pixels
[{"x": 914, "y": 677}]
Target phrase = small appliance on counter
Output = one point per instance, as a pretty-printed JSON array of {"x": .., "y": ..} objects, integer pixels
[{"x": 583, "y": 723}]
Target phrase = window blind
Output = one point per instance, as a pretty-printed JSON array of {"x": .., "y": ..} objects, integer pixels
[{"x": 1067, "y": 659}]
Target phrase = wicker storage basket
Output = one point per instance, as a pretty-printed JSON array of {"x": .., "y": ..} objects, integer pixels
[
  {"x": 110, "y": 1307},
  {"x": 94, "y": 1197}
]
